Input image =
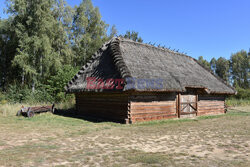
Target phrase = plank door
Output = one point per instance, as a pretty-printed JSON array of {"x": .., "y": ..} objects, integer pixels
[{"x": 188, "y": 106}]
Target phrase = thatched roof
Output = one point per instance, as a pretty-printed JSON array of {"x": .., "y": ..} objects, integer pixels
[{"x": 123, "y": 58}]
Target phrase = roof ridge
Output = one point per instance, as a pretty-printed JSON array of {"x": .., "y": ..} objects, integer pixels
[
  {"x": 86, "y": 65},
  {"x": 118, "y": 60},
  {"x": 181, "y": 54},
  {"x": 162, "y": 49},
  {"x": 145, "y": 44},
  {"x": 114, "y": 47}
]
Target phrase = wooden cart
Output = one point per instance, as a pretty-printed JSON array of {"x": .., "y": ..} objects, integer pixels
[{"x": 31, "y": 111}]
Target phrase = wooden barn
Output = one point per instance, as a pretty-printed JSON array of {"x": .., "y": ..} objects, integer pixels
[{"x": 127, "y": 81}]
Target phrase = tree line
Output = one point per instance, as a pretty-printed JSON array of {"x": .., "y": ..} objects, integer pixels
[
  {"x": 43, "y": 43},
  {"x": 235, "y": 71}
]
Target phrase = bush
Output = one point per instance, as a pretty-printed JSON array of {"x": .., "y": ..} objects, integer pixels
[
  {"x": 2, "y": 98},
  {"x": 52, "y": 91},
  {"x": 15, "y": 93},
  {"x": 56, "y": 83},
  {"x": 19, "y": 94},
  {"x": 39, "y": 95},
  {"x": 237, "y": 102},
  {"x": 243, "y": 93},
  {"x": 241, "y": 99}
]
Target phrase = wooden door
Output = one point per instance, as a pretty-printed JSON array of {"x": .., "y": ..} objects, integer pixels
[{"x": 188, "y": 106}]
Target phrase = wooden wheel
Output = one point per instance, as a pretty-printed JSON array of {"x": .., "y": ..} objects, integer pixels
[
  {"x": 30, "y": 114},
  {"x": 19, "y": 113},
  {"x": 53, "y": 109}
]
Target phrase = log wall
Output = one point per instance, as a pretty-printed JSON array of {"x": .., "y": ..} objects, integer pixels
[
  {"x": 211, "y": 105},
  {"x": 112, "y": 106},
  {"x": 125, "y": 108},
  {"x": 147, "y": 107}
]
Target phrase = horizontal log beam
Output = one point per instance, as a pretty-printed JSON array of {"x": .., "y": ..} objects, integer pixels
[
  {"x": 187, "y": 113},
  {"x": 152, "y": 103},
  {"x": 152, "y": 113},
  {"x": 152, "y": 107},
  {"x": 152, "y": 118}
]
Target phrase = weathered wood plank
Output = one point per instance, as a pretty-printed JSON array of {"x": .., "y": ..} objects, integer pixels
[
  {"x": 220, "y": 105},
  {"x": 152, "y": 118},
  {"x": 108, "y": 112},
  {"x": 152, "y": 98},
  {"x": 142, "y": 115},
  {"x": 210, "y": 110},
  {"x": 152, "y": 111},
  {"x": 85, "y": 94},
  {"x": 210, "y": 113},
  {"x": 106, "y": 109},
  {"x": 102, "y": 104},
  {"x": 102, "y": 99},
  {"x": 211, "y": 98},
  {"x": 149, "y": 107},
  {"x": 152, "y": 103},
  {"x": 152, "y": 107},
  {"x": 187, "y": 113},
  {"x": 106, "y": 117},
  {"x": 105, "y": 106},
  {"x": 211, "y": 102}
]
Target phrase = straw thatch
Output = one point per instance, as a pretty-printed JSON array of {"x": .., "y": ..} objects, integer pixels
[{"x": 122, "y": 58}]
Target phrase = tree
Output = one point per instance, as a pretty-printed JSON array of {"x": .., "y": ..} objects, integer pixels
[
  {"x": 240, "y": 65},
  {"x": 213, "y": 64},
  {"x": 113, "y": 32},
  {"x": 42, "y": 42},
  {"x": 56, "y": 83},
  {"x": 8, "y": 45},
  {"x": 89, "y": 31},
  {"x": 222, "y": 68},
  {"x": 204, "y": 62},
  {"x": 133, "y": 36}
]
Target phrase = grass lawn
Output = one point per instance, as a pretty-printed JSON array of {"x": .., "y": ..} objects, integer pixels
[{"x": 53, "y": 140}]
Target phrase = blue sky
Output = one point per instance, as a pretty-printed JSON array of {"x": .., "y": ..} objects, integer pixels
[{"x": 208, "y": 28}]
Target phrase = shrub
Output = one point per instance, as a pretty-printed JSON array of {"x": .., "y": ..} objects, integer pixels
[
  {"x": 39, "y": 95},
  {"x": 56, "y": 83},
  {"x": 243, "y": 93},
  {"x": 19, "y": 94},
  {"x": 237, "y": 102},
  {"x": 52, "y": 91},
  {"x": 15, "y": 93},
  {"x": 2, "y": 98}
]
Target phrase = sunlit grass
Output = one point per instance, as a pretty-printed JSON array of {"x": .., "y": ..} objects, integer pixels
[
  {"x": 238, "y": 102},
  {"x": 63, "y": 140},
  {"x": 9, "y": 109}
]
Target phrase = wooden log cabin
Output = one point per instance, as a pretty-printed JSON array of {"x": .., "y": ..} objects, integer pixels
[{"x": 128, "y": 82}]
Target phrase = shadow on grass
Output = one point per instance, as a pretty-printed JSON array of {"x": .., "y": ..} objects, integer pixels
[{"x": 73, "y": 114}]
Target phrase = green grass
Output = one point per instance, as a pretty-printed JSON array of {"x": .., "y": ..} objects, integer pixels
[
  {"x": 136, "y": 156},
  {"x": 54, "y": 140},
  {"x": 9, "y": 109},
  {"x": 238, "y": 102},
  {"x": 183, "y": 120}
]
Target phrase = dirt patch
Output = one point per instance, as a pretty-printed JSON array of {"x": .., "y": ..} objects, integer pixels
[{"x": 59, "y": 141}]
